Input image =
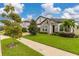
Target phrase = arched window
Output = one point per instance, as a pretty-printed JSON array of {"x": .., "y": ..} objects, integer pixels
[
  {"x": 45, "y": 27},
  {"x": 61, "y": 27}
]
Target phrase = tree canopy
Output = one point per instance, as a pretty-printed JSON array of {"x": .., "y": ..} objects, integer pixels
[
  {"x": 33, "y": 27},
  {"x": 12, "y": 22},
  {"x": 68, "y": 23}
]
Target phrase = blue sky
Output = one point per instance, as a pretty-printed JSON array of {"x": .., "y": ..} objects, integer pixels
[
  {"x": 32, "y": 9},
  {"x": 35, "y": 9},
  {"x": 65, "y": 5}
]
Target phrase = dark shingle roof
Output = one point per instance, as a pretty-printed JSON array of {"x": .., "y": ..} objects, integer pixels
[{"x": 51, "y": 19}]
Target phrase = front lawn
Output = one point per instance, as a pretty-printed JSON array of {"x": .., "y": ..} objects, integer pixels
[
  {"x": 19, "y": 50},
  {"x": 67, "y": 44},
  {"x": 2, "y": 32}
]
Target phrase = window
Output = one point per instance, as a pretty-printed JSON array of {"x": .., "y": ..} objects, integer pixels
[
  {"x": 45, "y": 28},
  {"x": 61, "y": 27}
]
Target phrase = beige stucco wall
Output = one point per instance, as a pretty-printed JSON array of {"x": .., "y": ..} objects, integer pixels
[
  {"x": 43, "y": 25},
  {"x": 49, "y": 26},
  {"x": 76, "y": 30},
  {"x": 57, "y": 27}
]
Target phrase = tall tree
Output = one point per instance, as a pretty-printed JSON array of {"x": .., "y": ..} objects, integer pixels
[
  {"x": 33, "y": 27},
  {"x": 12, "y": 25}
]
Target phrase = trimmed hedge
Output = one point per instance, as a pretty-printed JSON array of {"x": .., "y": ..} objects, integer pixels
[
  {"x": 43, "y": 32},
  {"x": 66, "y": 34}
]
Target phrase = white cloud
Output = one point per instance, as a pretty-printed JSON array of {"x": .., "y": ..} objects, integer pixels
[
  {"x": 49, "y": 9},
  {"x": 70, "y": 10},
  {"x": 28, "y": 17},
  {"x": 23, "y": 19},
  {"x": 18, "y": 7},
  {"x": 66, "y": 15},
  {"x": 49, "y": 16},
  {"x": 46, "y": 5},
  {"x": 1, "y": 10},
  {"x": 71, "y": 13},
  {"x": 76, "y": 8}
]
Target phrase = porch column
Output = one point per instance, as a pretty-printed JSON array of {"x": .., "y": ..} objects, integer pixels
[
  {"x": 71, "y": 29},
  {"x": 41, "y": 28},
  {"x": 50, "y": 29},
  {"x": 58, "y": 27},
  {"x": 75, "y": 29}
]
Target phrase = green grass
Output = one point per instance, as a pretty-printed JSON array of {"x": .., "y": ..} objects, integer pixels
[
  {"x": 1, "y": 32},
  {"x": 19, "y": 50},
  {"x": 67, "y": 44}
]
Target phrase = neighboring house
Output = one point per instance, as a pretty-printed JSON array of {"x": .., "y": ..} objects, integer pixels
[
  {"x": 51, "y": 25},
  {"x": 25, "y": 24}
]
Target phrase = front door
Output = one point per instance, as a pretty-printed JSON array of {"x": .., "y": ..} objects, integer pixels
[{"x": 53, "y": 28}]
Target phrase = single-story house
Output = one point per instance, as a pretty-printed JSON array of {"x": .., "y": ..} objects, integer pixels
[{"x": 51, "y": 25}]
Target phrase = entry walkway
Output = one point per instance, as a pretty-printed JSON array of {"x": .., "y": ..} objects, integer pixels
[{"x": 44, "y": 49}]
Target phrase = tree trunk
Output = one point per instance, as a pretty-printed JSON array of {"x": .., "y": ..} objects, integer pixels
[{"x": 12, "y": 44}]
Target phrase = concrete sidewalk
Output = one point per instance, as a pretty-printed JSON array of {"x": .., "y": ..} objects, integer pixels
[
  {"x": 23, "y": 34},
  {"x": 44, "y": 49},
  {"x": 3, "y": 37}
]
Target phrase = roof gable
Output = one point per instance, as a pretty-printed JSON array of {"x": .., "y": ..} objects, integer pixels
[{"x": 44, "y": 19}]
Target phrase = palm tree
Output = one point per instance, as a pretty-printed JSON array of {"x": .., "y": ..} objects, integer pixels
[{"x": 68, "y": 24}]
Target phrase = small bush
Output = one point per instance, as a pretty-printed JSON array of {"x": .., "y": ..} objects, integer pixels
[
  {"x": 24, "y": 30},
  {"x": 56, "y": 33},
  {"x": 13, "y": 31},
  {"x": 76, "y": 36},
  {"x": 43, "y": 32},
  {"x": 66, "y": 34},
  {"x": 33, "y": 28},
  {"x": 1, "y": 28}
]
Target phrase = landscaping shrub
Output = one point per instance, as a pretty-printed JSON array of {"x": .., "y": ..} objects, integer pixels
[
  {"x": 33, "y": 28},
  {"x": 24, "y": 30},
  {"x": 43, "y": 32},
  {"x": 1, "y": 28},
  {"x": 56, "y": 33},
  {"x": 66, "y": 34},
  {"x": 14, "y": 32},
  {"x": 76, "y": 36}
]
